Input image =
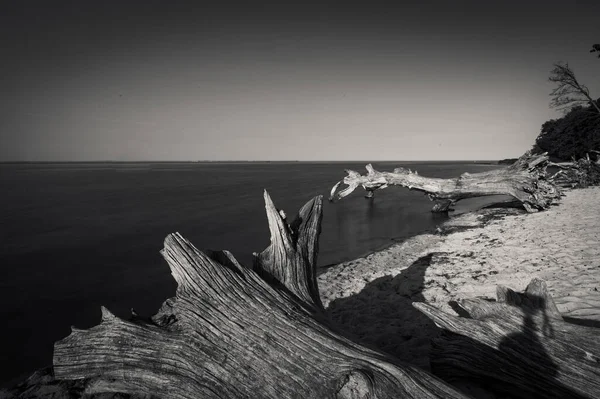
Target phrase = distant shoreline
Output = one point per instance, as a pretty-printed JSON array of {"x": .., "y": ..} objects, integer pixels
[{"x": 479, "y": 162}]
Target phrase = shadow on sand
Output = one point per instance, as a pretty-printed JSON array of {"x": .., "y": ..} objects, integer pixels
[
  {"x": 381, "y": 316},
  {"x": 520, "y": 367}
]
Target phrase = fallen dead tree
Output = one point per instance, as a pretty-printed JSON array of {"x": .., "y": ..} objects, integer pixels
[
  {"x": 525, "y": 180},
  {"x": 520, "y": 345},
  {"x": 580, "y": 173},
  {"x": 238, "y": 332}
]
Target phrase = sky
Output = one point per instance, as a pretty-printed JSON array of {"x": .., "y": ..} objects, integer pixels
[{"x": 187, "y": 81}]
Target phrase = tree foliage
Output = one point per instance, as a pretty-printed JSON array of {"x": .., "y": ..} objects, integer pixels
[
  {"x": 568, "y": 92},
  {"x": 595, "y": 49},
  {"x": 572, "y": 136}
]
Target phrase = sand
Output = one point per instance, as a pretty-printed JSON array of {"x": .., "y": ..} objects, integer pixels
[{"x": 370, "y": 298}]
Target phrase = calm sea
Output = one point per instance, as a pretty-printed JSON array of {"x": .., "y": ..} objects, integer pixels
[{"x": 77, "y": 236}]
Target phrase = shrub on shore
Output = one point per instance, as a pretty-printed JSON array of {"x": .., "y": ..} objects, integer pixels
[{"x": 571, "y": 137}]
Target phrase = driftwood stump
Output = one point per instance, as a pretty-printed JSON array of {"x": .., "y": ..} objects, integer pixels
[
  {"x": 238, "y": 332},
  {"x": 525, "y": 180},
  {"x": 520, "y": 345}
]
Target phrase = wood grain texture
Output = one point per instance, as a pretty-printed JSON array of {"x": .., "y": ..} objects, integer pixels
[
  {"x": 519, "y": 344},
  {"x": 238, "y": 332},
  {"x": 524, "y": 180}
]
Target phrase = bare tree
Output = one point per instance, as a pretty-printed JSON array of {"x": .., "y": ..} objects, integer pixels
[
  {"x": 569, "y": 92},
  {"x": 525, "y": 180}
]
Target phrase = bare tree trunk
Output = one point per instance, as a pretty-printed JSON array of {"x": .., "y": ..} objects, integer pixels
[
  {"x": 520, "y": 345},
  {"x": 236, "y": 332},
  {"x": 591, "y": 101},
  {"x": 523, "y": 180}
]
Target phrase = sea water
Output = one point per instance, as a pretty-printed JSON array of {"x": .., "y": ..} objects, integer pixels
[{"x": 77, "y": 236}]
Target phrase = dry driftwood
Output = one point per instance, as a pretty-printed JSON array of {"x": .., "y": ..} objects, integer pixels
[
  {"x": 236, "y": 332},
  {"x": 519, "y": 344},
  {"x": 524, "y": 180},
  {"x": 580, "y": 173}
]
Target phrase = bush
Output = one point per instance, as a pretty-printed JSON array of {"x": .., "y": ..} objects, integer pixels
[{"x": 572, "y": 136}]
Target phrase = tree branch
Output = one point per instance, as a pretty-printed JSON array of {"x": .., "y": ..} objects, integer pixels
[{"x": 524, "y": 180}]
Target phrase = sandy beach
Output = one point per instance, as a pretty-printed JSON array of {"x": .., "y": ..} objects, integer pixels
[{"x": 371, "y": 298}]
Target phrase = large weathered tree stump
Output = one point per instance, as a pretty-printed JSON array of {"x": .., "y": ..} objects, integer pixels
[
  {"x": 520, "y": 345},
  {"x": 237, "y": 332},
  {"x": 525, "y": 180}
]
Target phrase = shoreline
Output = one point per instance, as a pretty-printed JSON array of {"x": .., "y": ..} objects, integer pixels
[
  {"x": 475, "y": 205},
  {"x": 409, "y": 248},
  {"x": 370, "y": 298}
]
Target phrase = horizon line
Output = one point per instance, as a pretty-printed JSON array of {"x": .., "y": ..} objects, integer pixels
[{"x": 259, "y": 161}]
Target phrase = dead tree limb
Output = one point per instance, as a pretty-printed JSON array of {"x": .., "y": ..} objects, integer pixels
[
  {"x": 580, "y": 173},
  {"x": 238, "y": 332},
  {"x": 519, "y": 344},
  {"x": 524, "y": 180}
]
